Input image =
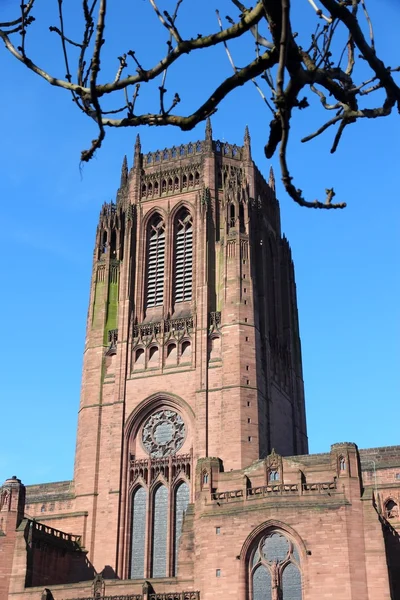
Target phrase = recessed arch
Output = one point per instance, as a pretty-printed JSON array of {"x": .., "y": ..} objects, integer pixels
[
  {"x": 155, "y": 210},
  {"x": 155, "y": 260},
  {"x": 151, "y": 403},
  {"x": 186, "y": 350},
  {"x": 264, "y": 529},
  {"x": 183, "y": 255},
  {"x": 154, "y": 355}
]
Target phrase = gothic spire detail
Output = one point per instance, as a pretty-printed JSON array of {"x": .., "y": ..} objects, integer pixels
[
  {"x": 124, "y": 172},
  {"x": 247, "y": 144},
  {"x": 271, "y": 180},
  {"x": 138, "y": 148},
  {"x": 208, "y": 130}
]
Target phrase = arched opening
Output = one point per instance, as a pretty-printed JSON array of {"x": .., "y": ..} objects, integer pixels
[
  {"x": 184, "y": 182},
  {"x": 163, "y": 186},
  {"x": 186, "y": 351},
  {"x": 138, "y": 532},
  {"x": 273, "y": 476},
  {"x": 156, "y": 188},
  {"x": 144, "y": 190},
  {"x": 342, "y": 463},
  {"x": 153, "y": 356},
  {"x": 183, "y": 256},
  {"x": 232, "y": 217},
  {"x": 241, "y": 218},
  {"x": 261, "y": 584},
  {"x": 104, "y": 243},
  {"x": 181, "y": 502},
  {"x": 139, "y": 359},
  {"x": 176, "y": 184},
  {"x": 150, "y": 189},
  {"x": 171, "y": 354},
  {"x": 291, "y": 582},
  {"x": 155, "y": 262},
  {"x": 170, "y": 186},
  {"x": 191, "y": 180},
  {"x": 113, "y": 244},
  {"x": 159, "y": 533},
  {"x": 274, "y": 564}
]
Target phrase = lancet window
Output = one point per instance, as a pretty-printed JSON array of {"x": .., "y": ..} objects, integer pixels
[
  {"x": 183, "y": 256},
  {"x": 155, "y": 262},
  {"x": 274, "y": 569}
]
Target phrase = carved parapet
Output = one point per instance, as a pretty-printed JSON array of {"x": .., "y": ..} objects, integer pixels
[
  {"x": 162, "y": 330},
  {"x": 228, "y": 150},
  {"x": 170, "y": 467},
  {"x": 174, "y": 154}
]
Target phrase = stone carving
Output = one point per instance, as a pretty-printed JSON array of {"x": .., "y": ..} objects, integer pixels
[
  {"x": 163, "y": 433},
  {"x": 98, "y": 586}
]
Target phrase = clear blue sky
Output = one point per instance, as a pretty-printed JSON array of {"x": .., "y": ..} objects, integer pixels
[{"x": 346, "y": 261}]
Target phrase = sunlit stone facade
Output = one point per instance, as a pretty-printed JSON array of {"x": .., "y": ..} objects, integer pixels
[{"x": 192, "y": 474}]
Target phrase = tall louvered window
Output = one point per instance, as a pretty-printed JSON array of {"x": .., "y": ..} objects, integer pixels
[
  {"x": 155, "y": 262},
  {"x": 183, "y": 256}
]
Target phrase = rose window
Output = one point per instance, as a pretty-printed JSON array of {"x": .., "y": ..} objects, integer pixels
[{"x": 163, "y": 433}]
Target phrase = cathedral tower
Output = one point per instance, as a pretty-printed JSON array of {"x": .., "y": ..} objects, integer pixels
[{"x": 192, "y": 348}]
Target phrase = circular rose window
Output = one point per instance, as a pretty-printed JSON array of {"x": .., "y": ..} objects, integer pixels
[{"x": 163, "y": 433}]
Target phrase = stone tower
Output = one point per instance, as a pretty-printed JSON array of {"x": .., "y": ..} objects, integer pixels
[
  {"x": 192, "y": 347},
  {"x": 192, "y": 479}
]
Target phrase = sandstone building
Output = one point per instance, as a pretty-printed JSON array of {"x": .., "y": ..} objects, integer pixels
[{"x": 192, "y": 475}]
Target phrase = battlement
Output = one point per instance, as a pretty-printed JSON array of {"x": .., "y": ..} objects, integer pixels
[{"x": 191, "y": 150}]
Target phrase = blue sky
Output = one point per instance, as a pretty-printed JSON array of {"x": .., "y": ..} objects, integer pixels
[{"x": 346, "y": 261}]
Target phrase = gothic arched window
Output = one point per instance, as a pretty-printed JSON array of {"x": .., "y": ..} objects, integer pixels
[
  {"x": 232, "y": 216},
  {"x": 273, "y": 476},
  {"x": 159, "y": 538},
  {"x": 183, "y": 256},
  {"x": 138, "y": 530},
  {"x": 275, "y": 565},
  {"x": 159, "y": 492},
  {"x": 155, "y": 262},
  {"x": 180, "y": 506}
]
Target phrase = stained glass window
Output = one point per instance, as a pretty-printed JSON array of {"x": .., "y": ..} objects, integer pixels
[
  {"x": 262, "y": 584},
  {"x": 274, "y": 564},
  {"x": 291, "y": 583},
  {"x": 159, "y": 537},
  {"x": 181, "y": 504},
  {"x": 138, "y": 533}
]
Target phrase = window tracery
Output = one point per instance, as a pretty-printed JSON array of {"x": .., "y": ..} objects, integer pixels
[
  {"x": 163, "y": 433},
  {"x": 159, "y": 496},
  {"x": 274, "y": 569}
]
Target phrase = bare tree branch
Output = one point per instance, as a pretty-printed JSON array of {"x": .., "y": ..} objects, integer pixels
[{"x": 342, "y": 27}]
